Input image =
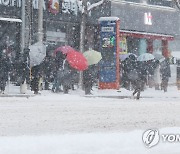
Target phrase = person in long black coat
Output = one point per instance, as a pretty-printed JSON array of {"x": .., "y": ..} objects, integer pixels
[
  {"x": 138, "y": 80},
  {"x": 67, "y": 76},
  {"x": 4, "y": 69},
  {"x": 89, "y": 78},
  {"x": 35, "y": 72},
  {"x": 165, "y": 74},
  {"x": 57, "y": 71}
]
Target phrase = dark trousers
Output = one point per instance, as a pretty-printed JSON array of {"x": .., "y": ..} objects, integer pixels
[
  {"x": 2, "y": 84},
  {"x": 35, "y": 85},
  {"x": 88, "y": 87}
]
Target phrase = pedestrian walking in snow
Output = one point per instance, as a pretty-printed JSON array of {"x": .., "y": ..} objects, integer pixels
[
  {"x": 165, "y": 74},
  {"x": 58, "y": 67},
  {"x": 89, "y": 78},
  {"x": 66, "y": 75},
  {"x": 4, "y": 69},
  {"x": 35, "y": 71},
  {"x": 137, "y": 78}
]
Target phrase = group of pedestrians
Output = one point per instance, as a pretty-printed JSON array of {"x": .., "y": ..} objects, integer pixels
[
  {"x": 137, "y": 74},
  {"x": 63, "y": 77}
]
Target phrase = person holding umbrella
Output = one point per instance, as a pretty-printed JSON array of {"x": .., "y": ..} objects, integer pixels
[
  {"x": 90, "y": 74},
  {"x": 73, "y": 61}
]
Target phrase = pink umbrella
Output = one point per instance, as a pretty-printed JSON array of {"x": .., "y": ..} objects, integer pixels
[
  {"x": 77, "y": 60},
  {"x": 64, "y": 49}
]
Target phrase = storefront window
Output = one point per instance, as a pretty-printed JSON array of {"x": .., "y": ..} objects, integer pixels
[
  {"x": 142, "y": 46},
  {"x": 137, "y": 46},
  {"x": 157, "y": 46}
]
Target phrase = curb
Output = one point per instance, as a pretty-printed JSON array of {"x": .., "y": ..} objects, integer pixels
[{"x": 17, "y": 95}]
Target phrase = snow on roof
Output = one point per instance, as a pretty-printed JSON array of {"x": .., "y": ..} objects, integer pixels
[
  {"x": 10, "y": 19},
  {"x": 108, "y": 18},
  {"x": 146, "y": 33}
]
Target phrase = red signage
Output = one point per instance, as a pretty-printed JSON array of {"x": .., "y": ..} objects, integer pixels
[{"x": 53, "y": 6}]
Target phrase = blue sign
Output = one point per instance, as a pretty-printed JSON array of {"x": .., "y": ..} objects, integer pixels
[{"x": 107, "y": 71}]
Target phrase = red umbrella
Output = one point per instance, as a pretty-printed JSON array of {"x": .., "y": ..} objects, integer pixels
[
  {"x": 64, "y": 49},
  {"x": 77, "y": 60}
]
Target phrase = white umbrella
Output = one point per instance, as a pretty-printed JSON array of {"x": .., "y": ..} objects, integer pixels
[
  {"x": 37, "y": 53},
  {"x": 145, "y": 57},
  {"x": 92, "y": 56}
]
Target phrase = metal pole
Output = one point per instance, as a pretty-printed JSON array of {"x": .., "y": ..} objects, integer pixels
[
  {"x": 40, "y": 20},
  {"x": 23, "y": 26},
  {"x": 82, "y": 38}
]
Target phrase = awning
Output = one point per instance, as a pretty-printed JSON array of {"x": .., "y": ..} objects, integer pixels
[
  {"x": 146, "y": 35},
  {"x": 10, "y": 19}
]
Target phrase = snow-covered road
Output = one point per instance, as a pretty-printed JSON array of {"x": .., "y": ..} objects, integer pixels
[
  {"x": 74, "y": 124},
  {"x": 33, "y": 116}
]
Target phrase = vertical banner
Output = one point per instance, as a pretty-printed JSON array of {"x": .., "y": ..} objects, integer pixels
[
  {"x": 53, "y": 6},
  {"x": 109, "y": 48}
]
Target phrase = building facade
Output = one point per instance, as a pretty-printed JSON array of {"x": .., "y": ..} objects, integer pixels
[
  {"x": 147, "y": 26},
  {"x": 60, "y": 27}
]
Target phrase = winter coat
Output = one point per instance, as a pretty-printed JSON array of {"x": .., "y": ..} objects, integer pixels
[
  {"x": 4, "y": 68},
  {"x": 66, "y": 74},
  {"x": 132, "y": 69},
  {"x": 35, "y": 71},
  {"x": 165, "y": 69},
  {"x": 90, "y": 75}
]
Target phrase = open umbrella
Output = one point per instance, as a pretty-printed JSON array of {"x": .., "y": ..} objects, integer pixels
[
  {"x": 124, "y": 56},
  {"x": 37, "y": 53},
  {"x": 64, "y": 49},
  {"x": 92, "y": 56},
  {"x": 145, "y": 57},
  {"x": 77, "y": 60}
]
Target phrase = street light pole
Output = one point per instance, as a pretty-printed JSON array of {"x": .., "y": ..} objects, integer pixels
[
  {"x": 85, "y": 10},
  {"x": 40, "y": 20},
  {"x": 82, "y": 37},
  {"x": 23, "y": 26}
]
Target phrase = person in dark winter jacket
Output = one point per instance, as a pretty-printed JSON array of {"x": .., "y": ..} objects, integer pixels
[
  {"x": 129, "y": 66},
  {"x": 89, "y": 77},
  {"x": 66, "y": 76},
  {"x": 47, "y": 68},
  {"x": 138, "y": 79},
  {"x": 58, "y": 67},
  {"x": 165, "y": 74},
  {"x": 4, "y": 69}
]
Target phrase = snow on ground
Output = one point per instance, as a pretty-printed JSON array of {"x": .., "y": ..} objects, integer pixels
[{"x": 74, "y": 124}]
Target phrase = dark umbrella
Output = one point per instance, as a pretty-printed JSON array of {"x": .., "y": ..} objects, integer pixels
[{"x": 124, "y": 56}]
